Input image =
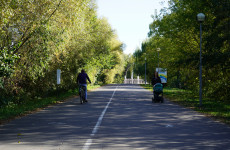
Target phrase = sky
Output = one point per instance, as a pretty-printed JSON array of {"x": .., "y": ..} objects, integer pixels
[{"x": 130, "y": 19}]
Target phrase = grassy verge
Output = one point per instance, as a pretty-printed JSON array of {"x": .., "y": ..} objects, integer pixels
[
  {"x": 12, "y": 110},
  {"x": 218, "y": 110}
]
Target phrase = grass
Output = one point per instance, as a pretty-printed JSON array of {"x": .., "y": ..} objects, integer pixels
[
  {"x": 218, "y": 110},
  {"x": 12, "y": 111}
]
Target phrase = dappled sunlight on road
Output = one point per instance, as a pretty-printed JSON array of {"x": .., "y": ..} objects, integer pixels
[
  {"x": 134, "y": 121},
  {"x": 122, "y": 87},
  {"x": 131, "y": 121}
]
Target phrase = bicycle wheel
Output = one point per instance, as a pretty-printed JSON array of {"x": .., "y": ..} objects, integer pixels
[{"x": 81, "y": 96}]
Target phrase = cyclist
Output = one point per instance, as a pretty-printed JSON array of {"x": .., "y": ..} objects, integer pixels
[{"x": 81, "y": 80}]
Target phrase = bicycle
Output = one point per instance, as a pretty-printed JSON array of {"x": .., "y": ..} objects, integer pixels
[{"x": 82, "y": 90}]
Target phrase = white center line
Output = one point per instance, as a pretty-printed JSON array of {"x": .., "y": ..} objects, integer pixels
[{"x": 96, "y": 127}]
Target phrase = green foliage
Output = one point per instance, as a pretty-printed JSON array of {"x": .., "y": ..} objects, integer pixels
[
  {"x": 176, "y": 31},
  {"x": 63, "y": 34},
  {"x": 7, "y": 61}
]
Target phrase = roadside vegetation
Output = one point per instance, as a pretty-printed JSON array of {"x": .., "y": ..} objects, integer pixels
[
  {"x": 215, "y": 109},
  {"x": 39, "y": 37},
  {"x": 176, "y": 32},
  {"x": 14, "y": 110}
]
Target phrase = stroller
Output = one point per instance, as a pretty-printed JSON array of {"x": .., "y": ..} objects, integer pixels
[{"x": 158, "y": 93}]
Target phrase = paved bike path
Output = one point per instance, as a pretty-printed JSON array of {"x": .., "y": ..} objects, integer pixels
[{"x": 116, "y": 117}]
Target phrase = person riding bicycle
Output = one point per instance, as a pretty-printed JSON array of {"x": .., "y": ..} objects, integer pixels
[{"x": 81, "y": 80}]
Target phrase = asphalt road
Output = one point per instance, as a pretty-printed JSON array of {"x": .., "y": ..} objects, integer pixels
[{"x": 117, "y": 117}]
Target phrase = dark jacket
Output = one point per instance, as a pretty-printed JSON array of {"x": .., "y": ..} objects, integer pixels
[
  {"x": 156, "y": 80},
  {"x": 81, "y": 78}
]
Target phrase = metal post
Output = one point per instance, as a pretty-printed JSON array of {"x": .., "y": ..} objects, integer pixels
[
  {"x": 200, "y": 75},
  {"x": 145, "y": 70},
  {"x": 158, "y": 50},
  {"x": 132, "y": 77},
  {"x": 158, "y": 59}
]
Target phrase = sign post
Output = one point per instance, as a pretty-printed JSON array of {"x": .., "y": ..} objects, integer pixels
[
  {"x": 58, "y": 80},
  {"x": 58, "y": 76}
]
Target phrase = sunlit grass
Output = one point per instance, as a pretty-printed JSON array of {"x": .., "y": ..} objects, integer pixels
[{"x": 219, "y": 110}]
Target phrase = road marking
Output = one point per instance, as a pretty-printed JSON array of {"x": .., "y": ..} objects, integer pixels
[
  {"x": 96, "y": 127},
  {"x": 169, "y": 126}
]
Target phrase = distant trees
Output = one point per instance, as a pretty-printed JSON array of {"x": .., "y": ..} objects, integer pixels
[
  {"x": 176, "y": 32},
  {"x": 38, "y": 37}
]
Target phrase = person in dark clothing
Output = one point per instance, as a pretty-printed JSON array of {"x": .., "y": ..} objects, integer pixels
[
  {"x": 156, "y": 79},
  {"x": 81, "y": 80}
]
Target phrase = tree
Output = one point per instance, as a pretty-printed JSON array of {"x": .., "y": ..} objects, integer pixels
[
  {"x": 176, "y": 32},
  {"x": 39, "y": 37}
]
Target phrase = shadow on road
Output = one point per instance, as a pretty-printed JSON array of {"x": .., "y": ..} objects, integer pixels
[
  {"x": 134, "y": 122},
  {"x": 131, "y": 122}
]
